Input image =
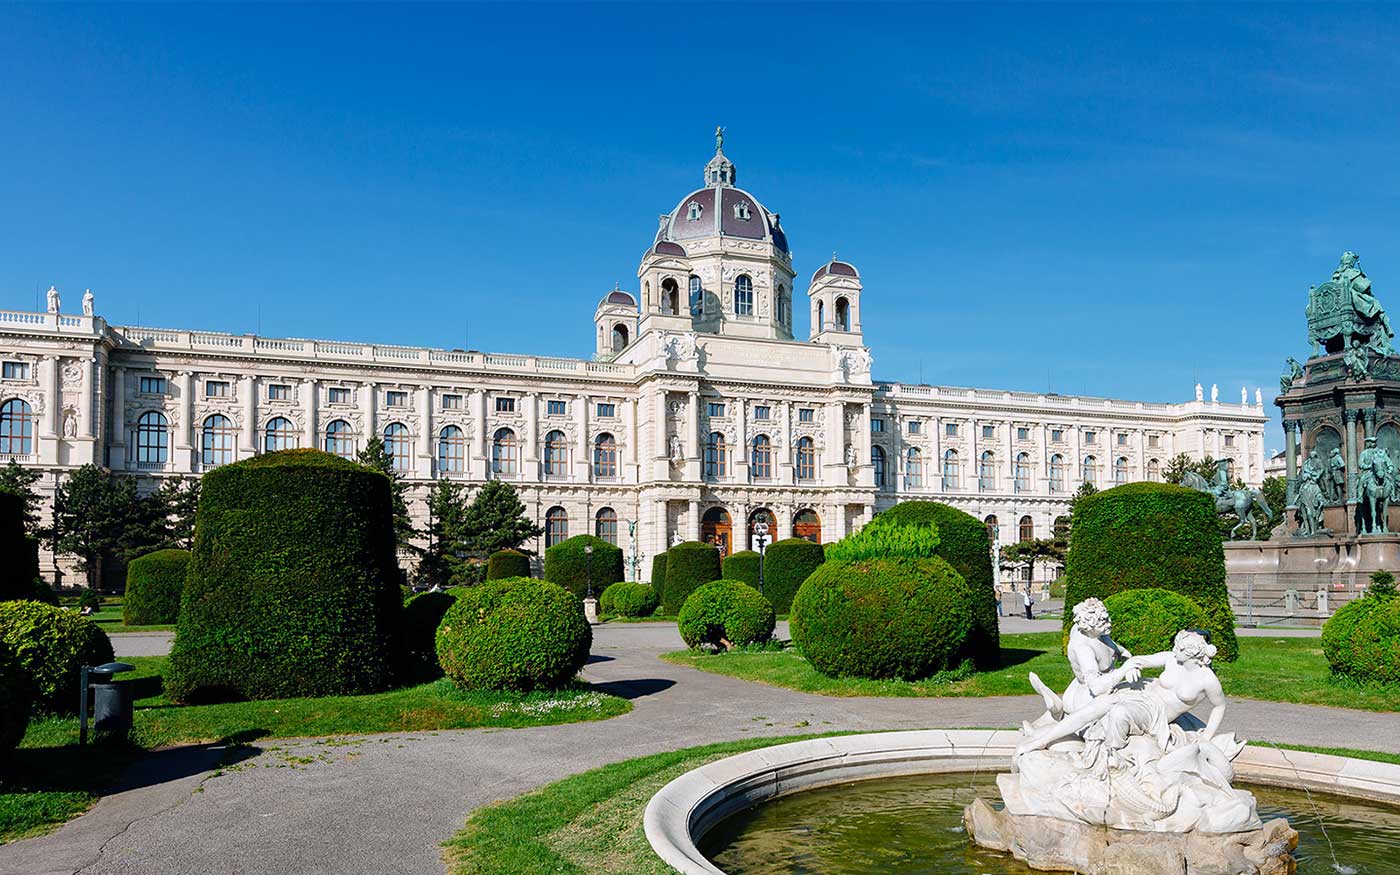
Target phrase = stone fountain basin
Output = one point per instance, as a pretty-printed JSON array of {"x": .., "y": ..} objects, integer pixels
[{"x": 685, "y": 809}]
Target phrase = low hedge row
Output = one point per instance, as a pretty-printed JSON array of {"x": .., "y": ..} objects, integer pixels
[{"x": 628, "y": 600}]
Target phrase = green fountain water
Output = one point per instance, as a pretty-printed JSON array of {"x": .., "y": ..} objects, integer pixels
[{"x": 913, "y": 826}]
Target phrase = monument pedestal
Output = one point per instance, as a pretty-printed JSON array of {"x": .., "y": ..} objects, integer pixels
[{"x": 1277, "y": 582}]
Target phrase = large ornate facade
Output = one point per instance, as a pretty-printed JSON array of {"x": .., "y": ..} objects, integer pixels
[{"x": 700, "y": 414}]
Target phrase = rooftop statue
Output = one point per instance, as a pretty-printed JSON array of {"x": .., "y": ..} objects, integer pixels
[
  {"x": 1344, "y": 314},
  {"x": 1294, "y": 375}
]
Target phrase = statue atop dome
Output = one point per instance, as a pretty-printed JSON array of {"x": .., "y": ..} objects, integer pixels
[
  {"x": 1344, "y": 314},
  {"x": 719, "y": 139}
]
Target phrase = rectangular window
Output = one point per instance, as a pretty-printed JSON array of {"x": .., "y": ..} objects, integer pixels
[
  {"x": 396, "y": 399},
  {"x": 877, "y": 424},
  {"x": 1122, "y": 439},
  {"x": 950, "y": 429},
  {"x": 1229, "y": 440},
  {"x": 989, "y": 432},
  {"x": 1152, "y": 440},
  {"x": 153, "y": 385},
  {"x": 505, "y": 405},
  {"x": 279, "y": 392},
  {"x": 215, "y": 389},
  {"x": 916, "y": 426},
  {"x": 338, "y": 395},
  {"x": 556, "y": 408},
  {"x": 1057, "y": 435},
  {"x": 1089, "y": 437},
  {"x": 1023, "y": 434},
  {"x": 716, "y": 408},
  {"x": 762, "y": 411},
  {"x": 16, "y": 371},
  {"x": 806, "y": 414},
  {"x": 606, "y": 411},
  {"x": 452, "y": 402}
]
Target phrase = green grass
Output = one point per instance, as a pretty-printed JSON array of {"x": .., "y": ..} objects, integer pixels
[
  {"x": 109, "y": 616},
  {"x": 1255, "y": 675},
  {"x": 591, "y": 823},
  {"x": 51, "y": 779}
]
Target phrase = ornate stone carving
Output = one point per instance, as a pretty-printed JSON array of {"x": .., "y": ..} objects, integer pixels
[
  {"x": 853, "y": 360},
  {"x": 70, "y": 422},
  {"x": 72, "y": 374},
  {"x": 680, "y": 346}
]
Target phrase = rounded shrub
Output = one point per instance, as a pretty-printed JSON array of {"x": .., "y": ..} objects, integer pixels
[
  {"x": 513, "y": 634},
  {"x": 422, "y": 615},
  {"x": 153, "y": 586},
  {"x": 1362, "y": 639},
  {"x": 786, "y": 564},
  {"x": 725, "y": 614},
  {"x": 628, "y": 600},
  {"x": 742, "y": 566},
  {"x": 293, "y": 584},
  {"x": 16, "y": 701},
  {"x": 658, "y": 576},
  {"x": 1151, "y": 535},
  {"x": 963, "y": 544},
  {"x": 51, "y": 645},
  {"x": 507, "y": 563},
  {"x": 568, "y": 565},
  {"x": 883, "y": 618},
  {"x": 21, "y": 552},
  {"x": 688, "y": 566},
  {"x": 1147, "y": 620}
]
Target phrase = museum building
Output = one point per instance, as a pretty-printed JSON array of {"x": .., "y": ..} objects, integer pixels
[{"x": 700, "y": 414}]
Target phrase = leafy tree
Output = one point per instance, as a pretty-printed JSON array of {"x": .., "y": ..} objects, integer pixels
[
  {"x": 19, "y": 480},
  {"x": 1178, "y": 465},
  {"x": 1275, "y": 491},
  {"x": 447, "y": 519},
  {"x": 1382, "y": 585},
  {"x": 375, "y": 455},
  {"x": 92, "y": 512},
  {"x": 1049, "y": 551},
  {"x": 496, "y": 520}
]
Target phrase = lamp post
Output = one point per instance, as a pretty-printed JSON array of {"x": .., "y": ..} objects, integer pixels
[{"x": 760, "y": 540}]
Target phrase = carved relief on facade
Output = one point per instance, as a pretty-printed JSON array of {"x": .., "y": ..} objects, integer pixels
[{"x": 72, "y": 373}]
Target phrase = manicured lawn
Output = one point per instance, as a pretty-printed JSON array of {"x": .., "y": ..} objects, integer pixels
[
  {"x": 109, "y": 616},
  {"x": 591, "y": 823},
  {"x": 52, "y": 779},
  {"x": 1257, "y": 674}
]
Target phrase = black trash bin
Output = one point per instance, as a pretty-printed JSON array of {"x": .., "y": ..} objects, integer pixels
[{"x": 111, "y": 700}]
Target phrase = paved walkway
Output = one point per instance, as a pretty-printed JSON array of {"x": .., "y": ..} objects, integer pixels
[{"x": 381, "y": 805}]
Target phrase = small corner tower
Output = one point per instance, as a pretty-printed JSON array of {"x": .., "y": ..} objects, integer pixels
[
  {"x": 834, "y": 297},
  {"x": 615, "y": 321}
]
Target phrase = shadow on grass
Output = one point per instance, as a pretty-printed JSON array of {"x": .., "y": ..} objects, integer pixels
[
  {"x": 1013, "y": 656},
  {"x": 634, "y": 689}
]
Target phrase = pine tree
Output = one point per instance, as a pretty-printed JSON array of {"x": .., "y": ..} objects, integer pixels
[
  {"x": 177, "y": 500},
  {"x": 375, "y": 455},
  {"x": 91, "y": 515},
  {"x": 16, "y": 479},
  {"x": 447, "y": 512},
  {"x": 496, "y": 521}
]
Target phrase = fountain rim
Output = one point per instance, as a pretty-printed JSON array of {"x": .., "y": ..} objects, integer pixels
[{"x": 685, "y": 809}]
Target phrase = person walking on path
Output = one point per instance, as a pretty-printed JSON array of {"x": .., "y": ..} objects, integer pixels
[
  {"x": 1000, "y": 612},
  {"x": 1028, "y": 601}
]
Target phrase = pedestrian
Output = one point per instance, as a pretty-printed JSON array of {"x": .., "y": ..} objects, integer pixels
[
  {"x": 1028, "y": 602},
  {"x": 999, "y": 609}
]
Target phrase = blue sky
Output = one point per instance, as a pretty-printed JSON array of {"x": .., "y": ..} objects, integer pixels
[{"x": 1114, "y": 200}]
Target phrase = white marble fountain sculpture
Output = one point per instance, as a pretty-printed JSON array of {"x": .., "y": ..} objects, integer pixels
[{"x": 1117, "y": 776}]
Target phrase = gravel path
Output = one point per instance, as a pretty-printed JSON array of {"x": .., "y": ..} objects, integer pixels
[{"x": 380, "y": 805}]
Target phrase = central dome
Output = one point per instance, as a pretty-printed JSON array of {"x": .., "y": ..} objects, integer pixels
[{"x": 720, "y": 209}]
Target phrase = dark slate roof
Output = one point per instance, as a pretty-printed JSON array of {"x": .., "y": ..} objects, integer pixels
[
  {"x": 666, "y": 247},
  {"x": 835, "y": 268},
  {"x": 718, "y": 217},
  {"x": 620, "y": 298}
]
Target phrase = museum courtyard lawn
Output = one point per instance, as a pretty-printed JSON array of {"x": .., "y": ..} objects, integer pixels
[
  {"x": 52, "y": 779},
  {"x": 1273, "y": 669}
]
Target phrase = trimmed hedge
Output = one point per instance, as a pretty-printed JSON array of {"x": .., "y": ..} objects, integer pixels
[
  {"x": 16, "y": 701},
  {"x": 1362, "y": 639},
  {"x": 742, "y": 566},
  {"x": 1151, "y": 535},
  {"x": 658, "y": 576},
  {"x": 507, "y": 563},
  {"x": 515, "y": 634},
  {"x": 786, "y": 564},
  {"x": 51, "y": 645},
  {"x": 153, "y": 586},
  {"x": 726, "y": 611},
  {"x": 963, "y": 543},
  {"x": 568, "y": 565},
  {"x": 422, "y": 615},
  {"x": 883, "y": 618},
  {"x": 688, "y": 567},
  {"x": 628, "y": 600},
  {"x": 1146, "y": 620},
  {"x": 293, "y": 584},
  {"x": 21, "y": 552}
]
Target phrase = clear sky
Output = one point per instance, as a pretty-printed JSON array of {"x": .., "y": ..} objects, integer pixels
[{"x": 1114, "y": 200}]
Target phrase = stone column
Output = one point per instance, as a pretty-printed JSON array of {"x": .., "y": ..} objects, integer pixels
[
  {"x": 739, "y": 520},
  {"x": 784, "y": 517},
  {"x": 583, "y": 467},
  {"x": 530, "y": 469},
  {"x": 424, "y": 467},
  {"x": 895, "y": 466},
  {"x": 85, "y": 424},
  {"x": 692, "y": 431},
  {"x": 974, "y": 464},
  {"x": 629, "y": 454},
  {"x": 693, "y": 520},
  {"x": 183, "y": 446},
  {"x": 834, "y": 464},
  {"x": 367, "y": 406},
  {"x": 308, "y": 411},
  {"x": 1370, "y": 417},
  {"x": 741, "y": 450},
  {"x": 1350, "y": 449},
  {"x": 659, "y": 450},
  {"x": 53, "y": 410},
  {"x": 249, "y": 387},
  {"x": 784, "y": 458},
  {"x": 1290, "y": 439},
  {"x": 117, "y": 456},
  {"x": 863, "y": 443},
  {"x": 479, "y": 465}
]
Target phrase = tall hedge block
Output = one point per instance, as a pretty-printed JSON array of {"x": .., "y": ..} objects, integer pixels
[
  {"x": 1151, "y": 535},
  {"x": 742, "y": 566},
  {"x": 16, "y": 701},
  {"x": 688, "y": 567},
  {"x": 568, "y": 565},
  {"x": 21, "y": 564},
  {"x": 153, "y": 586},
  {"x": 292, "y": 588},
  {"x": 507, "y": 563},
  {"x": 963, "y": 544},
  {"x": 658, "y": 576},
  {"x": 785, "y": 565}
]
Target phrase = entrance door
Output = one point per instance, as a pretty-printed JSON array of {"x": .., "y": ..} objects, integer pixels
[
  {"x": 716, "y": 529},
  {"x": 808, "y": 526}
]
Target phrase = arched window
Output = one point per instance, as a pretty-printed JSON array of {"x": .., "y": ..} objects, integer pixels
[
  {"x": 784, "y": 306},
  {"x": 1057, "y": 473},
  {"x": 670, "y": 297},
  {"x": 399, "y": 446},
  {"x": 619, "y": 337},
  {"x": 807, "y": 526},
  {"x": 821, "y": 315},
  {"x": 987, "y": 472},
  {"x": 761, "y": 460},
  {"x": 843, "y": 314},
  {"x": 743, "y": 295},
  {"x": 556, "y": 454},
  {"x": 340, "y": 440},
  {"x": 1091, "y": 466},
  {"x": 452, "y": 450},
  {"x": 1154, "y": 470},
  {"x": 16, "y": 428},
  {"x": 216, "y": 441},
  {"x": 914, "y": 469},
  {"x": 556, "y": 526},
  {"x": 604, "y": 456},
  {"x": 279, "y": 434},
  {"x": 1022, "y": 472},
  {"x": 950, "y": 470},
  {"x": 716, "y": 457},
  {"x": 1027, "y": 528},
  {"x": 505, "y": 451},
  {"x": 1120, "y": 471},
  {"x": 806, "y": 459},
  {"x": 877, "y": 463},
  {"x": 697, "y": 297},
  {"x": 993, "y": 528},
  {"x": 716, "y": 529},
  {"x": 605, "y": 525}
]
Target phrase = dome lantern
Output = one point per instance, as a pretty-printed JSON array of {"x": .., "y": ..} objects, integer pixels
[{"x": 720, "y": 171}]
